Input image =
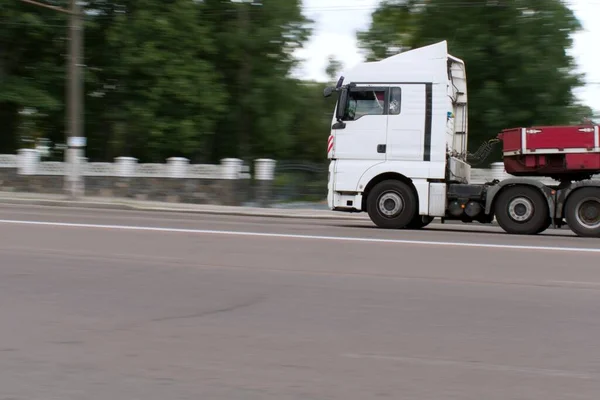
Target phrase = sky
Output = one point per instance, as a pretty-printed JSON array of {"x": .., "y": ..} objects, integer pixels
[{"x": 337, "y": 21}]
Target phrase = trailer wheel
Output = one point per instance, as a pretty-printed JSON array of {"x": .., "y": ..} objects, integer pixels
[
  {"x": 522, "y": 210},
  {"x": 545, "y": 226},
  {"x": 582, "y": 212},
  {"x": 392, "y": 204}
]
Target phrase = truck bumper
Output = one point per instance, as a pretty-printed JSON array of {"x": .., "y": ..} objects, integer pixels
[
  {"x": 348, "y": 202},
  {"x": 341, "y": 201}
]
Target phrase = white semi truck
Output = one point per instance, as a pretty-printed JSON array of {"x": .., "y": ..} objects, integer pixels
[{"x": 398, "y": 151}]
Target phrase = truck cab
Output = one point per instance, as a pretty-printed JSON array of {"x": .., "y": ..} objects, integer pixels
[{"x": 400, "y": 122}]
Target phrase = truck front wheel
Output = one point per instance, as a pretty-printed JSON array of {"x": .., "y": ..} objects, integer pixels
[
  {"x": 419, "y": 222},
  {"x": 583, "y": 212},
  {"x": 392, "y": 204},
  {"x": 522, "y": 210}
]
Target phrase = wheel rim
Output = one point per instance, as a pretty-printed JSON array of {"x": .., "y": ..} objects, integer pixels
[
  {"x": 587, "y": 213},
  {"x": 390, "y": 204},
  {"x": 521, "y": 209}
]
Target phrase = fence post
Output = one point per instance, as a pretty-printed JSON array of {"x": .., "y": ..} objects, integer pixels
[
  {"x": 125, "y": 166},
  {"x": 498, "y": 171},
  {"x": 264, "y": 174},
  {"x": 28, "y": 161},
  {"x": 230, "y": 172},
  {"x": 177, "y": 167}
]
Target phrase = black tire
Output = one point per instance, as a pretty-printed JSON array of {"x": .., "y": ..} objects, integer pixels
[
  {"x": 546, "y": 225},
  {"x": 522, "y": 210},
  {"x": 419, "y": 222},
  {"x": 582, "y": 212},
  {"x": 392, "y": 205}
]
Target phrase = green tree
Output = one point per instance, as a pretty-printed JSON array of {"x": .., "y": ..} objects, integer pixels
[
  {"x": 159, "y": 94},
  {"x": 518, "y": 69},
  {"x": 311, "y": 126},
  {"x": 32, "y": 48},
  {"x": 256, "y": 42},
  {"x": 201, "y": 79},
  {"x": 334, "y": 66}
]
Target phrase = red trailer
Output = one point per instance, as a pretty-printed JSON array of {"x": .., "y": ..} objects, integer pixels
[{"x": 559, "y": 152}]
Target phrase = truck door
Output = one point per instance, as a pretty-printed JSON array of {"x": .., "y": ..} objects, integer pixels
[
  {"x": 360, "y": 142},
  {"x": 406, "y": 122},
  {"x": 364, "y": 135}
]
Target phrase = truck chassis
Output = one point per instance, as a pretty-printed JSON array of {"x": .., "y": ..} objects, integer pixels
[{"x": 521, "y": 206}]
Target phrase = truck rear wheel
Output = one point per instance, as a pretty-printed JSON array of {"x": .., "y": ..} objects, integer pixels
[
  {"x": 522, "y": 210},
  {"x": 582, "y": 212},
  {"x": 392, "y": 204},
  {"x": 546, "y": 225}
]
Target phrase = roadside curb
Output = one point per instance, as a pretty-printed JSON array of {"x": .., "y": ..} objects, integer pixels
[{"x": 126, "y": 206}]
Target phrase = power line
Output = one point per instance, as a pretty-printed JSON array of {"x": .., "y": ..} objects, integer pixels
[
  {"x": 329, "y": 8},
  {"x": 454, "y": 4},
  {"x": 44, "y": 5}
]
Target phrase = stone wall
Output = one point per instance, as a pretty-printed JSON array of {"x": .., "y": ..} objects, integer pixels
[
  {"x": 227, "y": 183},
  {"x": 182, "y": 190}
]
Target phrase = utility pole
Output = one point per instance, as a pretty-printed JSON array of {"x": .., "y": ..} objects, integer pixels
[
  {"x": 244, "y": 74},
  {"x": 76, "y": 141}
]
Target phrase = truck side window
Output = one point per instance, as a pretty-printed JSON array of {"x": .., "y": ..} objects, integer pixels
[
  {"x": 395, "y": 101},
  {"x": 365, "y": 102}
]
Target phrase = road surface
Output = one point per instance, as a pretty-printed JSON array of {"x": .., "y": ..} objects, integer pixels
[{"x": 130, "y": 305}]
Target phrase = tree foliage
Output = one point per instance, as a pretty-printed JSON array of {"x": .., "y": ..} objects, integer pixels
[
  {"x": 201, "y": 79},
  {"x": 516, "y": 51},
  {"x": 334, "y": 66},
  {"x": 31, "y": 74},
  {"x": 157, "y": 86},
  {"x": 255, "y": 55},
  {"x": 212, "y": 78}
]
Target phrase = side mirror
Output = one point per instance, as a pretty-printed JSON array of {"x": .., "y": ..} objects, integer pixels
[
  {"x": 341, "y": 108},
  {"x": 328, "y": 91}
]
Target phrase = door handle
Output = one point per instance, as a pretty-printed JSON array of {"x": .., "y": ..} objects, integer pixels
[{"x": 381, "y": 148}]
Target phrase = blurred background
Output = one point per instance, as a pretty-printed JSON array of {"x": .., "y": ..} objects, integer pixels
[{"x": 208, "y": 80}]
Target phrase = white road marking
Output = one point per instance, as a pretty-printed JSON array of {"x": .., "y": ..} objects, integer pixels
[
  {"x": 593, "y": 284},
  {"x": 305, "y": 237},
  {"x": 480, "y": 366}
]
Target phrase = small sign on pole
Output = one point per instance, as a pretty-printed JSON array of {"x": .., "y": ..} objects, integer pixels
[{"x": 77, "y": 142}]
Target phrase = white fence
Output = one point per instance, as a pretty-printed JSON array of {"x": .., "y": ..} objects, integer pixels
[
  {"x": 28, "y": 163},
  {"x": 488, "y": 175},
  {"x": 481, "y": 175},
  {"x": 9, "y": 161}
]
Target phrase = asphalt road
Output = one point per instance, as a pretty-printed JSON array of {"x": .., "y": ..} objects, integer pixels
[{"x": 133, "y": 305}]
